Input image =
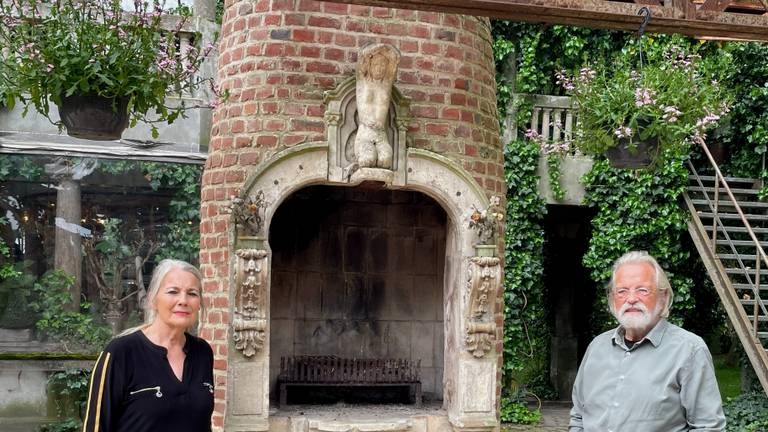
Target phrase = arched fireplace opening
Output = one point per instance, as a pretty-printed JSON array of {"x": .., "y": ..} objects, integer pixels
[{"x": 357, "y": 276}]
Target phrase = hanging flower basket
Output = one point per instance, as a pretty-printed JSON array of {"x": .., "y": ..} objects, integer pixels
[
  {"x": 94, "y": 117},
  {"x": 633, "y": 154}
]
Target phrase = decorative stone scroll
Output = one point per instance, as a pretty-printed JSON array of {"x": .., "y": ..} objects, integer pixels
[
  {"x": 250, "y": 318},
  {"x": 484, "y": 284}
]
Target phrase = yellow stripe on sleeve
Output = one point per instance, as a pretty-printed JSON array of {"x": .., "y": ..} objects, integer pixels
[
  {"x": 90, "y": 389},
  {"x": 101, "y": 391}
]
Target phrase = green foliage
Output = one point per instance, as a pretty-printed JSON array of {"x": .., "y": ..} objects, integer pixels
[
  {"x": 667, "y": 95},
  {"x": 747, "y": 412},
  {"x": 180, "y": 237},
  {"x": 518, "y": 412},
  {"x": 75, "y": 330},
  {"x": 93, "y": 47},
  {"x": 15, "y": 296},
  {"x": 539, "y": 51},
  {"x": 554, "y": 162},
  {"x": 66, "y": 425},
  {"x": 69, "y": 391},
  {"x": 747, "y": 132},
  {"x": 526, "y": 336},
  {"x": 637, "y": 210}
]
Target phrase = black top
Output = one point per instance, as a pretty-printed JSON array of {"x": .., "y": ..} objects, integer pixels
[{"x": 134, "y": 389}]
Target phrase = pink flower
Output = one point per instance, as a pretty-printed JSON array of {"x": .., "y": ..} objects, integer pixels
[
  {"x": 623, "y": 132},
  {"x": 644, "y": 96},
  {"x": 671, "y": 113}
]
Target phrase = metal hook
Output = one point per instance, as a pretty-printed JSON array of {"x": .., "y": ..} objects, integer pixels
[{"x": 645, "y": 12}]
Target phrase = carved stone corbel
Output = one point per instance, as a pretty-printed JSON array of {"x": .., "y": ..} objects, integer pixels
[
  {"x": 250, "y": 318},
  {"x": 484, "y": 284},
  {"x": 480, "y": 338}
]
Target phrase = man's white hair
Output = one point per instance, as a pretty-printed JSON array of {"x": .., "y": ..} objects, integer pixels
[{"x": 662, "y": 282}]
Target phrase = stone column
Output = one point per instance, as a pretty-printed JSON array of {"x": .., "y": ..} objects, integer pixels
[
  {"x": 205, "y": 9},
  {"x": 68, "y": 246}
]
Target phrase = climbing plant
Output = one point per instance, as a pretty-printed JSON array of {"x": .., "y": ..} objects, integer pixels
[
  {"x": 747, "y": 131},
  {"x": 638, "y": 210},
  {"x": 526, "y": 340},
  {"x": 180, "y": 237},
  {"x": 634, "y": 210}
]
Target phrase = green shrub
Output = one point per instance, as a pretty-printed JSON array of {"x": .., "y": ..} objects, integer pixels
[
  {"x": 75, "y": 330},
  {"x": 749, "y": 410}
]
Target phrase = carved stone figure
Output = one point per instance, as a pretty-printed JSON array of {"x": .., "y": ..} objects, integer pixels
[{"x": 376, "y": 70}]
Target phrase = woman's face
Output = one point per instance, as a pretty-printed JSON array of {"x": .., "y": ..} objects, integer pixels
[{"x": 178, "y": 299}]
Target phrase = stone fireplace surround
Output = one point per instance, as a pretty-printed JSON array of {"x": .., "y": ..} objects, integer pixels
[
  {"x": 469, "y": 375},
  {"x": 290, "y": 68}
]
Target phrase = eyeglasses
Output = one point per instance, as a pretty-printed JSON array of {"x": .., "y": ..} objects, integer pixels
[{"x": 623, "y": 293}]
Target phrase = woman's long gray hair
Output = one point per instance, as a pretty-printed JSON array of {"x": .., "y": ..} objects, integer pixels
[{"x": 162, "y": 269}]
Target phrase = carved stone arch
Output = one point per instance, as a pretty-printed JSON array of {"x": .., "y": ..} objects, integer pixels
[
  {"x": 470, "y": 401},
  {"x": 341, "y": 124}
]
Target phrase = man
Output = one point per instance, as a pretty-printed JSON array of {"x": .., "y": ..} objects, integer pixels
[{"x": 647, "y": 375}]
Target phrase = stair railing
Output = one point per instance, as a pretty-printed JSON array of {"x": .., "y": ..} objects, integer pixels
[{"x": 760, "y": 255}]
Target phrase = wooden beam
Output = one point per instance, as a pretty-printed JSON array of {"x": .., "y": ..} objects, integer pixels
[{"x": 685, "y": 19}]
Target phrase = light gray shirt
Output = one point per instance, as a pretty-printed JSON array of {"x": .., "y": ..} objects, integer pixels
[{"x": 664, "y": 383}]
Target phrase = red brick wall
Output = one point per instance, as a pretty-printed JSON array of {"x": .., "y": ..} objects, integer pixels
[{"x": 276, "y": 59}]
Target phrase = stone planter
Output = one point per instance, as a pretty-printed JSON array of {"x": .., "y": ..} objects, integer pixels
[
  {"x": 640, "y": 155},
  {"x": 94, "y": 117},
  {"x": 486, "y": 249}
]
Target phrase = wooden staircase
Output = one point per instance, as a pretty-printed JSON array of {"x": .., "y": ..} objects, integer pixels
[{"x": 729, "y": 226}]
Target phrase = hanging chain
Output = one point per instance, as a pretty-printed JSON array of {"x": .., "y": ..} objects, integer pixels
[{"x": 645, "y": 12}]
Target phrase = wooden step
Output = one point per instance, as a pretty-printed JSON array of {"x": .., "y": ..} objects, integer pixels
[
  {"x": 741, "y": 243},
  {"x": 734, "y": 216},
  {"x": 760, "y": 318},
  {"x": 739, "y": 271},
  {"x": 711, "y": 190},
  {"x": 729, "y": 203},
  {"x": 743, "y": 229},
  {"x": 729, "y": 180},
  {"x": 745, "y": 258},
  {"x": 749, "y": 303},
  {"x": 747, "y": 287}
]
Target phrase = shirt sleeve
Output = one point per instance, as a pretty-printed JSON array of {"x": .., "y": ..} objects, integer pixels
[
  {"x": 699, "y": 393},
  {"x": 103, "y": 395},
  {"x": 576, "y": 423}
]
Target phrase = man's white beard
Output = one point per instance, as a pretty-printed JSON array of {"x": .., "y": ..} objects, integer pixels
[{"x": 635, "y": 321}]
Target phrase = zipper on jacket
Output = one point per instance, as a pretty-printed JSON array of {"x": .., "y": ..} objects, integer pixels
[
  {"x": 209, "y": 385},
  {"x": 156, "y": 389}
]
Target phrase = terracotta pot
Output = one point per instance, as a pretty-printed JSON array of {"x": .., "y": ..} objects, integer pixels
[
  {"x": 94, "y": 117},
  {"x": 640, "y": 155}
]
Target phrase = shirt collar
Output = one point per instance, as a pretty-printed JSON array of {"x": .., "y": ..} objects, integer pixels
[{"x": 654, "y": 336}]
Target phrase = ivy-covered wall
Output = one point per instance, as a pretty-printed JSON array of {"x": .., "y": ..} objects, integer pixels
[{"x": 632, "y": 209}]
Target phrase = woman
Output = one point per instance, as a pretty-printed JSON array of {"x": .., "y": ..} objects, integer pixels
[{"x": 156, "y": 377}]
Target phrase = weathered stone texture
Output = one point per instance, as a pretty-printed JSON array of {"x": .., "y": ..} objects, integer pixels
[{"x": 277, "y": 58}]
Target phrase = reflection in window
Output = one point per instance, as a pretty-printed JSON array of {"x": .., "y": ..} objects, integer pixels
[{"x": 79, "y": 239}]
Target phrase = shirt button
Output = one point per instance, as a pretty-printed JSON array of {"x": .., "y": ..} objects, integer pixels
[
  {"x": 626, "y": 354},
  {"x": 615, "y": 404},
  {"x": 621, "y": 377}
]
